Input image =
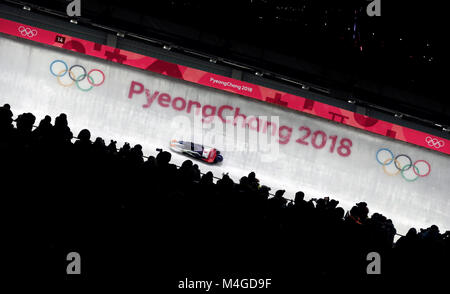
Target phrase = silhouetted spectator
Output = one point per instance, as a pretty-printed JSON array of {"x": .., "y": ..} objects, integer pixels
[
  {"x": 112, "y": 147},
  {"x": 136, "y": 155},
  {"x": 278, "y": 202},
  {"x": 197, "y": 173},
  {"x": 25, "y": 123},
  {"x": 45, "y": 128},
  {"x": 163, "y": 158},
  {"x": 207, "y": 179},
  {"x": 6, "y": 118},
  {"x": 253, "y": 181},
  {"x": 150, "y": 162},
  {"x": 125, "y": 150},
  {"x": 359, "y": 213},
  {"x": 408, "y": 240}
]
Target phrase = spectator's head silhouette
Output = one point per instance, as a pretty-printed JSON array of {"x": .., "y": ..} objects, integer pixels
[
  {"x": 226, "y": 183},
  {"x": 137, "y": 150},
  {"x": 163, "y": 158},
  {"x": 61, "y": 129},
  {"x": 252, "y": 178},
  {"x": 411, "y": 233},
  {"x": 84, "y": 136},
  {"x": 151, "y": 162},
  {"x": 264, "y": 188},
  {"x": 299, "y": 197},
  {"x": 244, "y": 182},
  {"x": 333, "y": 203},
  {"x": 99, "y": 141},
  {"x": 25, "y": 122},
  {"x": 207, "y": 178},
  {"x": 61, "y": 120},
  {"x": 186, "y": 164},
  {"x": 45, "y": 122},
  {"x": 99, "y": 144},
  {"x": 112, "y": 147},
  {"x": 5, "y": 116},
  {"x": 279, "y": 193},
  {"x": 125, "y": 148}
]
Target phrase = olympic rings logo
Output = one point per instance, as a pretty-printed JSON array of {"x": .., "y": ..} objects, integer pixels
[
  {"x": 433, "y": 142},
  {"x": 403, "y": 164},
  {"x": 78, "y": 75},
  {"x": 27, "y": 32}
]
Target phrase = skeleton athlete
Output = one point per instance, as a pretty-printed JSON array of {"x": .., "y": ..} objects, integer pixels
[{"x": 204, "y": 153}]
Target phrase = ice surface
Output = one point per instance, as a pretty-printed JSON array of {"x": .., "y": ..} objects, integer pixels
[{"x": 107, "y": 111}]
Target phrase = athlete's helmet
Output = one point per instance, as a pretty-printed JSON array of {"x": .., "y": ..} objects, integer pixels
[{"x": 218, "y": 158}]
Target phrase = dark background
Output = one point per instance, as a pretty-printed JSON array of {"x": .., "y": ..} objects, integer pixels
[{"x": 395, "y": 61}]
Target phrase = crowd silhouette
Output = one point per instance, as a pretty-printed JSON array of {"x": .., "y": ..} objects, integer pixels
[{"x": 132, "y": 217}]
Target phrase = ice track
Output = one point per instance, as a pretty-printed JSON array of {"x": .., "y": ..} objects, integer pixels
[{"x": 305, "y": 153}]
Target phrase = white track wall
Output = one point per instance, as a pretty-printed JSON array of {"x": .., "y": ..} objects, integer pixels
[{"x": 107, "y": 111}]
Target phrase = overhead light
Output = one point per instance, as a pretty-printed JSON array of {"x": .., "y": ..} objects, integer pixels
[
  {"x": 398, "y": 115},
  {"x": 322, "y": 90},
  {"x": 351, "y": 101},
  {"x": 74, "y": 21},
  {"x": 304, "y": 87},
  {"x": 121, "y": 35},
  {"x": 143, "y": 38},
  {"x": 213, "y": 60},
  {"x": 235, "y": 64},
  {"x": 289, "y": 80},
  {"x": 438, "y": 125},
  {"x": 27, "y": 8},
  {"x": 446, "y": 129},
  {"x": 259, "y": 74},
  {"x": 167, "y": 47}
]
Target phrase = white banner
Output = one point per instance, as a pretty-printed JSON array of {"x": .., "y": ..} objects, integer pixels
[{"x": 286, "y": 149}]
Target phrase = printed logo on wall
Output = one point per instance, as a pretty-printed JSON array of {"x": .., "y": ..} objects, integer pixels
[
  {"x": 434, "y": 142},
  {"x": 27, "y": 32},
  {"x": 403, "y": 165},
  {"x": 78, "y": 75}
]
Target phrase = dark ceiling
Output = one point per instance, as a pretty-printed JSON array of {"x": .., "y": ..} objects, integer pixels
[{"x": 395, "y": 60}]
